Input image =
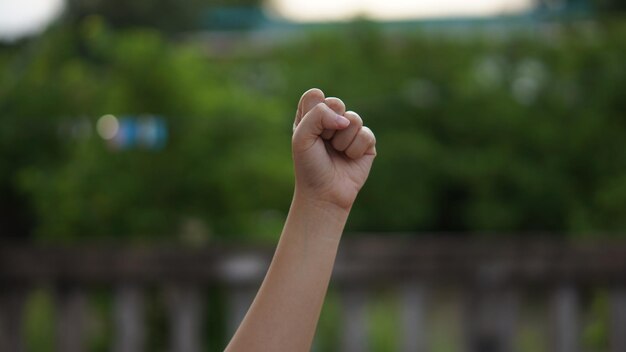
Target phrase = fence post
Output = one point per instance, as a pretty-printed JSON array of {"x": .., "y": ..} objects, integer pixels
[
  {"x": 128, "y": 318},
  {"x": 12, "y": 300},
  {"x": 354, "y": 308},
  {"x": 185, "y": 306},
  {"x": 617, "y": 328},
  {"x": 491, "y": 319},
  {"x": 565, "y": 319},
  {"x": 413, "y": 298},
  {"x": 71, "y": 303},
  {"x": 239, "y": 301},
  {"x": 242, "y": 274}
]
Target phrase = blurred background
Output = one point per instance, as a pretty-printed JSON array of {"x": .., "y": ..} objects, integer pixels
[{"x": 136, "y": 131}]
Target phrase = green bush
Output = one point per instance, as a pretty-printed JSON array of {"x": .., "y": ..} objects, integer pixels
[{"x": 476, "y": 133}]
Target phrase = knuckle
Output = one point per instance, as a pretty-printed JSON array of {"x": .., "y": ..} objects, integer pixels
[
  {"x": 371, "y": 139},
  {"x": 320, "y": 108},
  {"x": 369, "y": 135},
  {"x": 354, "y": 118},
  {"x": 335, "y": 103}
]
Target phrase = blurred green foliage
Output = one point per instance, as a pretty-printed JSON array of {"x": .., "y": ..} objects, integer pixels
[{"x": 477, "y": 132}]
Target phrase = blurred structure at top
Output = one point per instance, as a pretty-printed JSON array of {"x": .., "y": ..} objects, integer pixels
[
  {"x": 170, "y": 16},
  {"x": 166, "y": 15},
  {"x": 190, "y": 15}
]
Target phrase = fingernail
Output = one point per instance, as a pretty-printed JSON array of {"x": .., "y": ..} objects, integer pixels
[{"x": 342, "y": 121}]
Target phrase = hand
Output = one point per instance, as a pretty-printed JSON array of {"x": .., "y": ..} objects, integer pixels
[{"x": 332, "y": 151}]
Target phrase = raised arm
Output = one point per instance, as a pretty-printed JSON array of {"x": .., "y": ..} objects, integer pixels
[{"x": 332, "y": 153}]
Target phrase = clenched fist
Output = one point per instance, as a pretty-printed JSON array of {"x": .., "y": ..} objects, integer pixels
[{"x": 332, "y": 150}]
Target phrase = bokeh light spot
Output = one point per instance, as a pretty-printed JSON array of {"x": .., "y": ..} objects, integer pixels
[{"x": 107, "y": 127}]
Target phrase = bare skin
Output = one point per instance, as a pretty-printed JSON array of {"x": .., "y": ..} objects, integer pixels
[{"x": 332, "y": 153}]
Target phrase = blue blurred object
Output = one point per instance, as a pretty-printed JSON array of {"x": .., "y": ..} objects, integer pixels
[
  {"x": 234, "y": 18},
  {"x": 152, "y": 132},
  {"x": 126, "y": 136},
  {"x": 146, "y": 132}
]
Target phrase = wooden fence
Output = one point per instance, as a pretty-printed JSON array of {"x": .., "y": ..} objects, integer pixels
[{"x": 491, "y": 276}]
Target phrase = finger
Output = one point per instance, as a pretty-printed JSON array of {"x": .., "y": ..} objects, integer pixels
[
  {"x": 363, "y": 144},
  {"x": 336, "y": 105},
  {"x": 308, "y": 100},
  {"x": 339, "y": 107},
  {"x": 343, "y": 138},
  {"x": 314, "y": 122}
]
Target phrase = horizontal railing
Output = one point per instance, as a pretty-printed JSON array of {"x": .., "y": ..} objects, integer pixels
[{"x": 491, "y": 276}]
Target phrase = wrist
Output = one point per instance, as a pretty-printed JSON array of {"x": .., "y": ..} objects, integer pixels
[
  {"x": 316, "y": 219},
  {"x": 321, "y": 206}
]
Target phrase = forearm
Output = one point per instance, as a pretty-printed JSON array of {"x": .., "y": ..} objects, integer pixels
[
  {"x": 286, "y": 309},
  {"x": 329, "y": 170}
]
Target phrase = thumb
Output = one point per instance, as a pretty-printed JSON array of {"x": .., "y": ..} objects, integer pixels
[
  {"x": 309, "y": 99},
  {"x": 313, "y": 123}
]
